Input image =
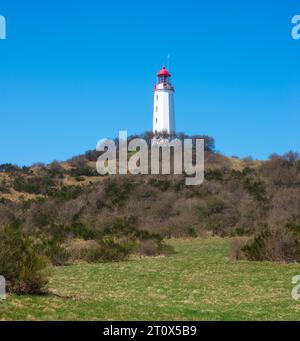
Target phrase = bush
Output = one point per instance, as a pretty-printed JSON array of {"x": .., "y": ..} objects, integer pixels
[
  {"x": 218, "y": 216},
  {"x": 110, "y": 251},
  {"x": 100, "y": 204},
  {"x": 34, "y": 185},
  {"x": 92, "y": 155},
  {"x": 210, "y": 208},
  {"x": 55, "y": 252},
  {"x": 4, "y": 187},
  {"x": 237, "y": 244},
  {"x": 79, "y": 230},
  {"x": 257, "y": 189},
  {"x": 43, "y": 215},
  {"x": 55, "y": 169},
  {"x": 147, "y": 248},
  {"x": 273, "y": 245},
  {"x": 214, "y": 174},
  {"x": 66, "y": 193},
  {"x": 150, "y": 247},
  {"x": 80, "y": 178},
  {"x": 117, "y": 191},
  {"x": 163, "y": 185},
  {"x": 191, "y": 232},
  {"x": 21, "y": 264},
  {"x": 9, "y": 168},
  {"x": 79, "y": 249},
  {"x": 121, "y": 238},
  {"x": 82, "y": 170},
  {"x": 76, "y": 229},
  {"x": 54, "y": 237}
]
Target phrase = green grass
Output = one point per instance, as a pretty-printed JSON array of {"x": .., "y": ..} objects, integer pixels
[{"x": 198, "y": 282}]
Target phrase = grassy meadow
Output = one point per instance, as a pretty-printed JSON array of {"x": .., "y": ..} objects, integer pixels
[{"x": 198, "y": 282}]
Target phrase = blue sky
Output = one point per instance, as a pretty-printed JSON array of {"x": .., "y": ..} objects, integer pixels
[{"x": 73, "y": 72}]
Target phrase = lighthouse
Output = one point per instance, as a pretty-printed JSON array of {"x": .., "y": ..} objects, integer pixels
[{"x": 163, "y": 111}]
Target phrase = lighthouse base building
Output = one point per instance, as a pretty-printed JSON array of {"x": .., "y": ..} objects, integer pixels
[{"x": 163, "y": 112}]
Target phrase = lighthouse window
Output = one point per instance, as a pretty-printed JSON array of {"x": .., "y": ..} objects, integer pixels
[
  {"x": 157, "y": 97},
  {"x": 155, "y": 121},
  {"x": 162, "y": 79},
  {"x": 156, "y": 109}
]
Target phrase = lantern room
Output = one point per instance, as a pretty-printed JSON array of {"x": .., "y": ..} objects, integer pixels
[{"x": 163, "y": 76}]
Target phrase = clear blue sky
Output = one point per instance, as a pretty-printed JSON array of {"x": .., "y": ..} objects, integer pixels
[{"x": 73, "y": 72}]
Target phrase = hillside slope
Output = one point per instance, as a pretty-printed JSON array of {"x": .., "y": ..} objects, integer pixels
[{"x": 237, "y": 198}]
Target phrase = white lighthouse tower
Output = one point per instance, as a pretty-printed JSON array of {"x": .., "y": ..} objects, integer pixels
[{"x": 163, "y": 113}]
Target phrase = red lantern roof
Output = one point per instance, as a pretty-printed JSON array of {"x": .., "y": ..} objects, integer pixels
[{"x": 163, "y": 72}]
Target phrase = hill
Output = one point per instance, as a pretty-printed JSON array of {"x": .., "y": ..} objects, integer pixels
[
  {"x": 238, "y": 198},
  {"x": 72, "y": 190}
]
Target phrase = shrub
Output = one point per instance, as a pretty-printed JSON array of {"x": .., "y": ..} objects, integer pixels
[
  {"x": 191, "y": 232},
  {"x": 122, "y": 227},
  {"x": 163, "y": 185},
  {"x": 211, "y": 207},
  {"x": 273, "y": 245},
  {"x": 291, "y": 156},
  {"x": 147, "y": 248},
  {"x": 55, "y": 252},
  {"x": 79, "y": 230},
  {"x": 43, "y": 215},
  {"x": 33, "y": 185},
  {"x": 21, "y": 264},
  {"x": 55, "y": 236},
  {"x": 66, "y": 193},
  {"x": 100, "y": 204},
  {"x": 294, "y": 227},
  {"x": 236, "y": 247},
  {"x": 179, "y": 185},
  {"x": 110, "y": 250},
  {"x": 77, "y": 161},
  {"x": 117, "y": 191},
  {"x": 75, "y": 230},
  {"x": 218, "y": 216},
  {"x": 9, "y": 168},
  {"x": 80, "y": 178},
  {"x": 4, "y": 187},
  {"x": 121, "y": 238},
  {"x": 214, "y": 174},
  {"x": 79, "y": 249},
  {"x": 257, "y": 189},
  {"x": 92, "y": 155},
  {"x": 82, "y": 170},
  {"x": 257, "y": 249},
  {"x": 152, "y": 247},
  {"x": 55, "y": 169}
]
